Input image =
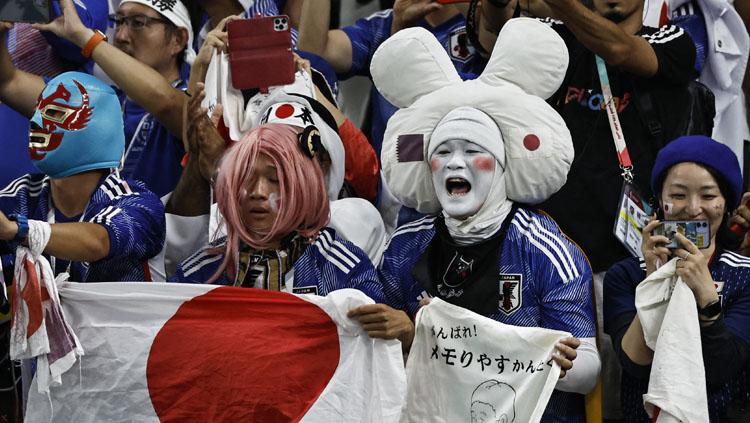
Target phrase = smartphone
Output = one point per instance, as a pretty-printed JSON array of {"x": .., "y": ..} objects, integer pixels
[
  {"x": 31, "y": 11},
  {"x": 697, "y": 231},
  {"x": 260, "y": 52}
]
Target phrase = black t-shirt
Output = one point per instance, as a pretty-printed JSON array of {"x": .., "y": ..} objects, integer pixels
[{"x": 585, "y": 208}]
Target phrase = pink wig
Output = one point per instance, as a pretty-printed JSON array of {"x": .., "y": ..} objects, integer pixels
[{"x": 303, "y": 199}]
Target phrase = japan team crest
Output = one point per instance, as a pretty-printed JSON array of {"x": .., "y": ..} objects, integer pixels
[
  {"x": 510, "y": 292},
  {"x": 460, "y": 48}
]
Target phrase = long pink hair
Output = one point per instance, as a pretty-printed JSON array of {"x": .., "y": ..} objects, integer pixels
[{"x": 303, "y": 198}]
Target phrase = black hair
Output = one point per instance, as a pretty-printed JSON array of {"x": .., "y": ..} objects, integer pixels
[
  {"x": 725, "y": 238},
  {"x": 170, "y": 31}
]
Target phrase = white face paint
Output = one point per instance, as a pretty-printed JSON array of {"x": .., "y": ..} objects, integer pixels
[{"x": 462, "y": 174}]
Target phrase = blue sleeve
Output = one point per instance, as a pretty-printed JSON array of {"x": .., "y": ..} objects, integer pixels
[
  {"x": 135, "y": 224},
  {"x": 364, "y": 278},
  {"x": 695, "y": 25},
  {"x": 93, "y": 14},
  {"x": 8, "y": 262},
  {"x": 568, "y": 304},
  {"x": 388, "y": 271},
  {"x": 366, "y": 35}
]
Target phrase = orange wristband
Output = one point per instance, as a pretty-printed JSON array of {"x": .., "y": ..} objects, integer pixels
[{"x": 94, "y": 41}]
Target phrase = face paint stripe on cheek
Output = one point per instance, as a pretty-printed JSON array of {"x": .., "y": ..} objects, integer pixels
[
  {"x": 273, "y": 201},
  {"x": 486, "y": 164}
]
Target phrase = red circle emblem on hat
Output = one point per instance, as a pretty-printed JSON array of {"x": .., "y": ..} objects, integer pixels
[
  {"x": 284, "y": 111},
  {"x": 531, "y": 142}
]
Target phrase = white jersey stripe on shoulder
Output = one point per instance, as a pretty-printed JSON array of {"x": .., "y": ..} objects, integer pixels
[
  {"x": 418, "y": 222},
  {"x": 533, "y": 231},
  {"x": 664, "y": 35},
  {"x": 739, "y": 258},
  {"x": 194, "y": 258},
  {"x": 115, "y": 186},
  {"x": 341, "y": 247},
  {"x": 405, "y": 231},
  {"x": 332, "y": 260},
  {"x": 552, "y": 239},
  {"x": 33, "y": 187},
  {"x": 106, "y": 215},
  {"x": 108, "y": 191},
  {"x": 383, "y": 14},
  {"x": 731, "y": 263},
  {"x": 201, "y": 264},
  {"x": 339, "y": 255},
  {"x": 734, "y": 260},
  {"x": 13, "y": 186},
  {"x": 112, "y": 215},
  {"x": 326, "y": 244},
  {"x": 563, "y": 275}
]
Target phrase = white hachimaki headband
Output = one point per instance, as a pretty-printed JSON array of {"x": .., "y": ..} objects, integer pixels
[
  {"x": 319, "y": 133},
  {"x": 176, "y": 12},
  {"x": 511, "y": 90}
]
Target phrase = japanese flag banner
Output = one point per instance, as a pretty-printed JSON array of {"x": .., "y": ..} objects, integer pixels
[
  {"x": 204, "y": 353},
  {"x": 464, "y": 367}
]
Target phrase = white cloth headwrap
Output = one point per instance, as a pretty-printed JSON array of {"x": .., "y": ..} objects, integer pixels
[
  {"x": 511, "y": 90},
  {"x": 469, "y": 124},
  {"x": 177, "y": 13}
]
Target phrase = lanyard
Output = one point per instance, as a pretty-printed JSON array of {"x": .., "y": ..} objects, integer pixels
[{"x": 623, "y": 157}]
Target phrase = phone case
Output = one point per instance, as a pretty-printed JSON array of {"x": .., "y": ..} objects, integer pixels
[
  {"x": 260, "y": 52},
  {"x": 697, "y": 231}
]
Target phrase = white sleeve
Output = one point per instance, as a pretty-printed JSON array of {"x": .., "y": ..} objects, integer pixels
[
  {"x": 185, "y": 235},
  {"x": 585, "y": 372}
]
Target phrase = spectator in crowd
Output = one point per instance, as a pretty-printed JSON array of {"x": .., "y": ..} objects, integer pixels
[
  {"x": 456, "y": 255},
  {"x": 44, "y": 54},
  {"x": 271, "y": 191},
  {"x": 720, "y": 59},
  {"x": 694, "y": 178},
  {"x": 93, "y": 224},
  {"x": 350, "y": 49},
  {"x": 349, "y": 158},
  {"x": 151, "y": 45},
  {"x": 640, "y": 60}
]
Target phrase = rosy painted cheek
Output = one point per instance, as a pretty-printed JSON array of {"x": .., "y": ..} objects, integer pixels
[
  {"x": 486, "y": 164},
  {"x": 434, "y": 165}
]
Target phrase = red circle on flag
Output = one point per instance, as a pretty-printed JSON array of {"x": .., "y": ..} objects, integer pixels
[
  {"x": 531, "y": 142},
  {"x": 238, "y": 354},
  {"x": 284, "y": 111}
]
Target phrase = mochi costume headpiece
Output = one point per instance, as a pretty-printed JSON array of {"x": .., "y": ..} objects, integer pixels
[{"x": 527, "y": 66}]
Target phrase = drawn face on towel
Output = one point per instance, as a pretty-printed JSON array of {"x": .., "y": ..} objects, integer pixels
[{"x": 462, "y": 174}]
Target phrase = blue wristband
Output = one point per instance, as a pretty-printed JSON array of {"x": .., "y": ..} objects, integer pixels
[{"x": 23, "y": 227}]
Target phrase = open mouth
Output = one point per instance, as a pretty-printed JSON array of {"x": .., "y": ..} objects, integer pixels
[{"x": 457, "y": 186}]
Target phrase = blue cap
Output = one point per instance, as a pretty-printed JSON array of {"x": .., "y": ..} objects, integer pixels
[{"x": 705, "y": 151}]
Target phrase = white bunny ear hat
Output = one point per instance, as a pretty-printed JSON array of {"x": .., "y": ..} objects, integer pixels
[{"x": 412, "y": 70}]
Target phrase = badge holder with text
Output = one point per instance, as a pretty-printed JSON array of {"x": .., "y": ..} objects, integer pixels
[{"x": 634, "y": 211}]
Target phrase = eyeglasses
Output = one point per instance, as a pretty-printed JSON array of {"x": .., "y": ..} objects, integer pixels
[{"x": 134, "y": 22}]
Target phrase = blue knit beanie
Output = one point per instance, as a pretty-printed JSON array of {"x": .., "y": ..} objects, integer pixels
[{"x": 705, "y": 151}]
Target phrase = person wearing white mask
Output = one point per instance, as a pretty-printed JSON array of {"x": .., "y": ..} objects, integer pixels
[{"x": 481, "y": 238}]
